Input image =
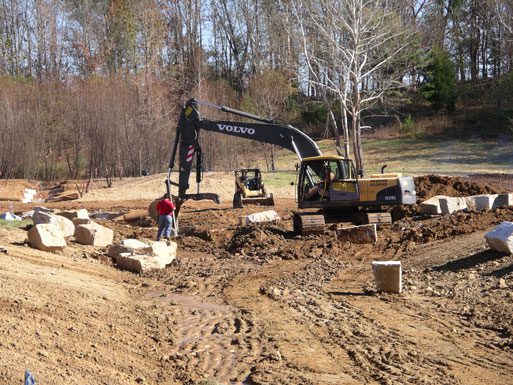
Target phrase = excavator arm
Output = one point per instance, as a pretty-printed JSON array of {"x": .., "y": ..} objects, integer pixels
[{"x": 187, "y": 143}]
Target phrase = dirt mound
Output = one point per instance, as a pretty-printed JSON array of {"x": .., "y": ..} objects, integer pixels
[
  {"x": 428, "y": 186},
  {"x": 410, "y": 231}
]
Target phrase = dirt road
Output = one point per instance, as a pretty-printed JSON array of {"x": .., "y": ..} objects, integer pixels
[{"x": 259, "y": 305}]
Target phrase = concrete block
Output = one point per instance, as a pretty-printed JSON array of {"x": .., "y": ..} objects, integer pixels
[
  {"x": 93, "y": 234},
  {"x": 431, "y": 206},
  {"x": 47, "y": 237},
  {"x": 480, "y": 202},
  {"x": 358, "y": 234},
  {"x": 263, "y": 216},
  {"x": 500, "y": 238},
  {"x": 448, "y": 205},
  {"x": 503, "y": 200},
  {"x": 137, "y": 263},
  {"x": 388, "y": 276},
  {"x": 71, "y": 214}
]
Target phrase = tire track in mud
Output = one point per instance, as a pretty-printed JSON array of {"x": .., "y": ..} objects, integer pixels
[
  {"x": 212, "y": 341},
  {"x": 378, "y": 352}
]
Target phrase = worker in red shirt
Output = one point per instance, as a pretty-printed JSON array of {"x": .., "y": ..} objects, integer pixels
[{"x": 165, "y": 210}]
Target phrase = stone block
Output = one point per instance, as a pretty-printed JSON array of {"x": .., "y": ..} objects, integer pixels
[
  {"x": 263, "y": 216},
  {"x": 81, "y": 221},
  {"x": 164, "y": 252},
  {"x": 137, "y": 263},
  {"x": 431, "y": 206},
  {"x": 388, "y": 276},
  {"x": 44, "y": 209},
  {"x": 503, "y": 200},
  {"x": 480, "y": 202},
  {"x": 358, "y": 234},
  {"x": 67, "y": 227},
  {"x": 137, "y": 256},
  {"x": 47, "y": 237},
  {"x": 130, "y": 246},
  {"x": 41, "y": 217},
  {"x": 72, "y": 214},
  {"x": 93, "y": 234},
  {"x": 448, "y": 205},
  {"x": 500, "y": 238}
]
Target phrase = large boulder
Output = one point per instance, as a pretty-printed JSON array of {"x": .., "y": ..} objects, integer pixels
[
  {"x": 263, "y": 216},
  {"x": 500, "y": 238},
  {"x": 44, "y": 209},
  {"x": 448, "y": 205},
  {"x": 431, "y": 206},
  {"x": 480, "y": 202},
  {"x": 81, "y": 221},
  {"x": 136, "y": 263},
  {"x": 93, "y": 234},
  {"x": 138, "y": 257},
  {"x": 164, "y": 252},
  {"x": 72, "y": 214},
  {"x": 130, "y": 246},
  {"x": 67, "y": 227},
  {"x": 358, "y": 234},
  {"x": 47, "y": 237},
  {"x": 503, "y": 200}
]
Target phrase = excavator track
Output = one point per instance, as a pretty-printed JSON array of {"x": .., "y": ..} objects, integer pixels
[{"x": 306, "y": 224}]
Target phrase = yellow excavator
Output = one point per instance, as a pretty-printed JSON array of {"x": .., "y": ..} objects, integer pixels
[
  {"x": 250, "y": 189},
  {"x": 328, "y": 184}
]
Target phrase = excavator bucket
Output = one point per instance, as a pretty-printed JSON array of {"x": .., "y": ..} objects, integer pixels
[{"x": 262, "y": 201}]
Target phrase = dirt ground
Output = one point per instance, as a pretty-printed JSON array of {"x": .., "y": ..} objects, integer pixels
[{"x": 259, "y": 305}]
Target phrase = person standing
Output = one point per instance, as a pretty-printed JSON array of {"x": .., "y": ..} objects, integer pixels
[{"x": 165, "y": 210}]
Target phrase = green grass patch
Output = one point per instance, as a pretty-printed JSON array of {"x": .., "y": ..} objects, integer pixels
[
  {"x": 14, "y": 224},
  {"x": 415, "y": 155}
]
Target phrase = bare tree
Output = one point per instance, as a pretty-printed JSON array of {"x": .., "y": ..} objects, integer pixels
[{"x": 349, "y": 47}]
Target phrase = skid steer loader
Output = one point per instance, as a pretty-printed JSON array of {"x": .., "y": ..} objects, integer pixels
[{"x": 250, "y": 189}]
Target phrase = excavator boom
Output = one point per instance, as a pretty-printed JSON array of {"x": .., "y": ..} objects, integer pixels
[{"x": 190, "y": 125}]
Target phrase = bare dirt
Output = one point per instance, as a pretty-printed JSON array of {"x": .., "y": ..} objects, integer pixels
[{"x": 259, "y": 305}]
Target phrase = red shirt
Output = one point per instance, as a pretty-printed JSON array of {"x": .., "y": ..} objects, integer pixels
[{"x": 165, "y": 207}]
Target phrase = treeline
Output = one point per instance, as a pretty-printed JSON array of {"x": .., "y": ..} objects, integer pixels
[{"x": 91, "y": 88}]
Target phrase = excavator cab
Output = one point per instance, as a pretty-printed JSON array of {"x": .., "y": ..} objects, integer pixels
[
  {"x": 326, "y": 180},
  {"x": 250, "y": 189}
]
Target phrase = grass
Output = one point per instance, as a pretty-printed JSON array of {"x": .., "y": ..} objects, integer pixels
[
  {"x": 9, "y": 225},
  {"x": 416, "y": 155}
]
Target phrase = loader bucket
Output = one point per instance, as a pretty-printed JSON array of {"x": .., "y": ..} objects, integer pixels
[{"x": 262, "y": 201}]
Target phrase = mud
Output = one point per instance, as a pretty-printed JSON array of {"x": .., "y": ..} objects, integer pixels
[
  {"x": 259, "y": 305},
  {"x": 430, "y": 185}
]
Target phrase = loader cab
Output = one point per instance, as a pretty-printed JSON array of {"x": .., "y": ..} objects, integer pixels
[{"x": 326, "y": 181}]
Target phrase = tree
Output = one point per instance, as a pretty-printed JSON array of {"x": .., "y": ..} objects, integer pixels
[
  {"x": 349, "y": 51},
  {"x": 440, "y": 81},
  {"x": 268, "y": 93}
]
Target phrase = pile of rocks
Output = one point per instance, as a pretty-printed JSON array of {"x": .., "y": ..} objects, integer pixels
[
  {"x": 51, "y": 229},
  {"x": 139, "y": 257},
  {"x": 441, "y": 204}
]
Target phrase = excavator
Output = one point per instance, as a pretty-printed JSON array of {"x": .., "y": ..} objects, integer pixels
[{"x": 329, "y": 184}]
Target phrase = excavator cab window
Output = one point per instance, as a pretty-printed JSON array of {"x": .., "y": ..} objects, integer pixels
[{"x": 326, "y": 180}]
